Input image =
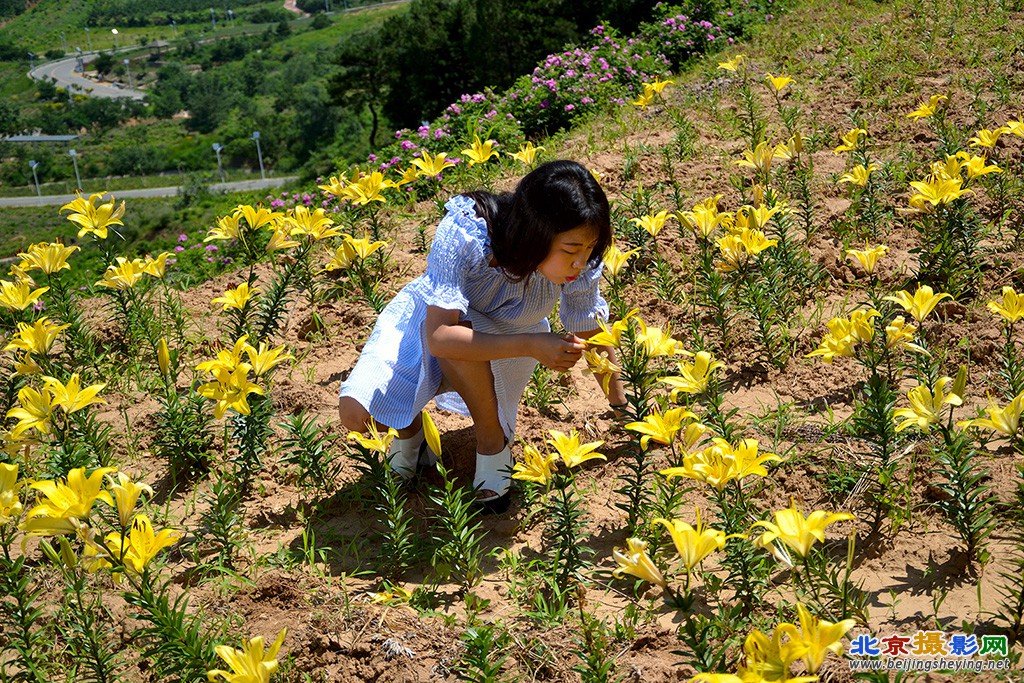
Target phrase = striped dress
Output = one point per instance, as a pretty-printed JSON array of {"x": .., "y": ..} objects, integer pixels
[{"x": 395, "y": 376}]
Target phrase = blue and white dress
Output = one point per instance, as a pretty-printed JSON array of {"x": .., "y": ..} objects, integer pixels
[{"x": 396, "y": 376}]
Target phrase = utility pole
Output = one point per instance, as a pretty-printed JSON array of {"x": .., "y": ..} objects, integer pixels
[
  {"x": 259, "y": 153},
  {"x": 74, "y": 160},
  {"x": 217, "y": 147},
  {"x": 39, "y": 193}
]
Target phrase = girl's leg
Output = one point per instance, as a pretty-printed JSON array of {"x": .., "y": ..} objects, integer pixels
[{"x": 474, "y": 382}]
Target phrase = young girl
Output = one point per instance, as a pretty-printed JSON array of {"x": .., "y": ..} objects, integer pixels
[{"x": 470, "y": 332}]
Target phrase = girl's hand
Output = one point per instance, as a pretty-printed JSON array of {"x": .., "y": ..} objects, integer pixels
[{"x": 557, "y": 352}]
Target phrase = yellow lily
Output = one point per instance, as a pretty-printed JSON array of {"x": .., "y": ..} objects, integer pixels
[
  {"x": 1006, "y": 420},
  {"x": 692, "y": 435},
  {"x": 480, "y": 152},
  {"x": 364, "y": 247},
  {"x": 611, "y": 336},
  {"x": 265, "y": 359},
  {"x": 921, "y": 303},
  {"x": 868, "y": 258},
  {"x": 375, "y": 441},
  {"x": 123, "y": 274},
  {"x": 37, "y": 338},
  {"x": 126, "y": 496},
  {"x": 938, "y": 190},
  {"x": 925, "y": 406},
  {"x": 705, "y": 216},
  {"x": 858, "y": 175},
  {"x": 250, "y": 664},
  {"x": 368, "y": 188},
  {"x": 721, "y": 462},
  {"x": 818, "y": 636},
  {"x": 527, "y": 153},
  {"x": 790, "y": 148},
  {"x": 598, "y": 363},
  {"x": 71, "y": 498},
  {"x": 572, "y": 452},
  {"x": 657, "y": 85},
  {"x": 644, "y": 100},
  {"x": 900, "y": 335},
  {"x": 256, "y": 216},
  {"x": 768, "y": 660},
  {"x": 635, "y": 561},
  {"x": 694, "y": 543},
  {"x": 93, "y": 217},
  {"x": 34, "y": 410},
  {"x": 237, "y": 297},
  {"x": 987, "y": 138},
  {"x": 614, "y": 260},
  {"x": 535, "y": 467},
  {"x": 926, "y": 109},
  {"x": 280, "y": 239},
  {"x": 10, "y": 487},
  {"x": 336, "y": 184},
  {"x": 140, "y": 545},
  {"x": 230, "y": 389},
  {"x": 733, "y": 64},
  {"x": 978, "y": 166},
  {"x": 316, "y": 224},
  {"x": 48, "y": 257},
  {"x": 431, "y": 165},
  {"x": 778, "y": 82},
  {"x": 657, "y": 342},
  {"x": 661, "y": 428},
  {"x": 797, "y": 532},
  {"x": 228, "y": 359},
  {"x": 693, "y": 377},
  {"x": 759, "y": 159},
  {"x": 838, "y": 343},
  {"x": 652, "y": 223},
  {"x": 851, "y": 140},
  {"x": 72, "y": 397},
  {"x": 430, "y": 433},
  {"x": 227, "y": 228},
  {"x": 1012, "y": 306},
  {"x": 341, "y": 258},
  {"x": 17, "y": 296}
]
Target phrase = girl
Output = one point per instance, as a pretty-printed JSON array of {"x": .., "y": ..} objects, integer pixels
[{"x": 470, "y": 332}]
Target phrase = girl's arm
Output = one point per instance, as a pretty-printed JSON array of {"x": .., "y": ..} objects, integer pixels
[
  {"x": 448, "y": 338},
  {"x": 616, "y": 392}
]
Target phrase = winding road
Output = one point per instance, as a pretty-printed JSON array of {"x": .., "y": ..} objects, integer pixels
[
  {"x": 234, "y": 186},
  {"x": 63, "y": 71}
]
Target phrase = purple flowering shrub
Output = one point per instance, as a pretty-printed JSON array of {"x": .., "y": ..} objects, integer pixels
[
  {"x": 582, "y": 80},
  {"x": 680, "y": 36}
]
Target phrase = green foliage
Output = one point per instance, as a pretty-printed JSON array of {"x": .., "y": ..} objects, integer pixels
[
  {"x": 485, "y": 655},
  {"x": 966, "y": 503},
  {"x": 26, "y": 642},
  {"x": 222, "y": 527},
  {"x": 458, "y": 554},
  {"x": 311, "y": 449}
]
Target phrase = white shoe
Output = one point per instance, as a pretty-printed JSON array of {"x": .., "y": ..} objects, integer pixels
[{"x": 494, "y": 474}]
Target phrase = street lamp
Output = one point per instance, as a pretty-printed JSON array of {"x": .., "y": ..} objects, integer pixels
[
  {"x": 259, "y": 153},
  {"x": 217, "y": 147},
  {"x": 127, "y": 66},
  {"x": 31, "y": 61},
  {"x": 39, "y": 193},
  {"x": 79, "y": 61},
  {"x": 63, "y": 43},
  {"x": 88, "y": 37},
  {"x": 175, "y": 27},
  {"x": 213, "y": 18},
  {"x": 231, "y": 18},
  {"x": 114, "y": 31},
  {"x": 74, "y": 160}
]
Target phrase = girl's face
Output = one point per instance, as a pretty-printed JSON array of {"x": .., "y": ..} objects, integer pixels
[{"x": 570, "y": 251}]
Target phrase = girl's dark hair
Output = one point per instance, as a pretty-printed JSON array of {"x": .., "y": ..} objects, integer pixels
[{"x": 553, "y": 198}]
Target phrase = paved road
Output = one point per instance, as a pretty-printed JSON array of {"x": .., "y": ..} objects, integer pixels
[
  {"x": 63, "y": 71},
  {"x": 235, "y": 186}
]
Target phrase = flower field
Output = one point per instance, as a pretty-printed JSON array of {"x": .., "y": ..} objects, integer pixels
[{"x": 816, "y": 295}]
